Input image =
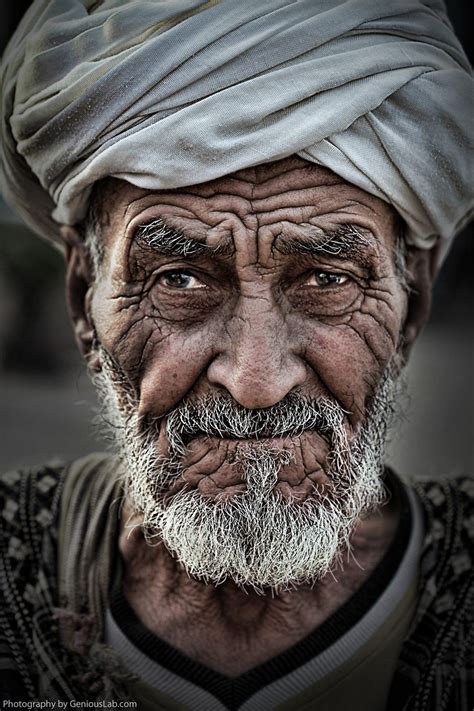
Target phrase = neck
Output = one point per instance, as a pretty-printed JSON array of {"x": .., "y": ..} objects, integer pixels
[{"x": 232, "y": 630}]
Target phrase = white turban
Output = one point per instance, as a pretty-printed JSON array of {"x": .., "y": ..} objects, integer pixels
[{"x": 167, "y": 93}]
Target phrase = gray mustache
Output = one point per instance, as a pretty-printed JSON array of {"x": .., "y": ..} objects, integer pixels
[{"x": 221, "y": 416}]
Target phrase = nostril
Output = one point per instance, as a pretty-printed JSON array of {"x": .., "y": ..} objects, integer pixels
[{"x": 258, "y": 384}]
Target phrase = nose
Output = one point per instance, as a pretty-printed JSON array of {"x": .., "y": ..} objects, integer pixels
[{"x": 257, "y": 364}]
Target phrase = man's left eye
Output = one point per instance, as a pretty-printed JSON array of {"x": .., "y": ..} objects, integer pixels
[
  {"x": 327, "y": 279},
  {"x": 179, "y": 279}
]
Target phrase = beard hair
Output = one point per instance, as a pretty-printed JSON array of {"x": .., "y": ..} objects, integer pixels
[{"x": 255, "y": 538}]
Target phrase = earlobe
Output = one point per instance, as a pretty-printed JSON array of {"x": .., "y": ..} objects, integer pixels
[
  {"x": 419, "y": 269},
  {"x": 79, "y": 291}
]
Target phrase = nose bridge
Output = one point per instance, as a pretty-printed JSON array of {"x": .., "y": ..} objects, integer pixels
[
  {"x": 254, "y": 341},
  {"x": 257, "y": 365}
]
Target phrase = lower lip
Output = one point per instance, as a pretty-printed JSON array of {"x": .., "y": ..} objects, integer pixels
[{"x": 278, "y": 442}]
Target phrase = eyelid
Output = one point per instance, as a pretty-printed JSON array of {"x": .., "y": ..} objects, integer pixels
[
  {"x": 165, "y": 271},
  {"x": 329, "y": 272}
]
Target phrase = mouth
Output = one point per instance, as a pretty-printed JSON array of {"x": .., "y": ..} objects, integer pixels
[
  {"x": 242, "y": 438},
  {"x": 222, "y": 419},
  {"x": 264, "y": 436}
]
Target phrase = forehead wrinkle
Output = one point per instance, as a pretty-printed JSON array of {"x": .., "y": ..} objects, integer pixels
[
  {"x": 294, "y": 180},
  {"x": 325, "y": 197}
]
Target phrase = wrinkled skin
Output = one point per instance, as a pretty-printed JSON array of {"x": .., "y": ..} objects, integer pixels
[{"x": 255, "y": 322}]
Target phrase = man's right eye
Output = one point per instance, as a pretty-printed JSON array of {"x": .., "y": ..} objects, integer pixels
[{"x": 180, "y": 279}]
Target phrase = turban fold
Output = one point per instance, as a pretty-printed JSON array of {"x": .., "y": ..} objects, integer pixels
[{"x": 168, "y": 93}]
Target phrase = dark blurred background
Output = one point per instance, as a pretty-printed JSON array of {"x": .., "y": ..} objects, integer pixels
[{"x": 46, "y": 400}]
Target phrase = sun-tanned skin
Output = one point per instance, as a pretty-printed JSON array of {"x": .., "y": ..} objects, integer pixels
[{"x": 255, "y": 319}]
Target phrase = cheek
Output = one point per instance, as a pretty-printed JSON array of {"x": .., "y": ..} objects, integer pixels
[
  {"x": 350, "y": 355},
  {"x": 161, "y": 359},
  {"x": 172, "y": 368}
]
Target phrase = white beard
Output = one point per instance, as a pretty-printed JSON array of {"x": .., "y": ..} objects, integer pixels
[{"x": 256, "y": 538}]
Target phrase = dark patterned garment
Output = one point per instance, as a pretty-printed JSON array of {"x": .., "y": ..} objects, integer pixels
[{"x": 59, "y": 528}]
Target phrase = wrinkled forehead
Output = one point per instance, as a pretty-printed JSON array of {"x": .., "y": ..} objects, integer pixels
[{"x": 289, "y": 190}]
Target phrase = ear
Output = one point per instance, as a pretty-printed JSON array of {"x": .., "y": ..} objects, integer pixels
[
  {"x": 79, "y": 290},
  {"x": 420, "y": 268}
]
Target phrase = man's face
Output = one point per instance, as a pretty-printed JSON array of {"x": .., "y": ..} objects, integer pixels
[{"x": 245, "y": 327}]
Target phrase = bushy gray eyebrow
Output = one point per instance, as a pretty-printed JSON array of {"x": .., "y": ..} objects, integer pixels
[
  {"x": 170, "y": 241},
  {"x": 344, "y": 241}
]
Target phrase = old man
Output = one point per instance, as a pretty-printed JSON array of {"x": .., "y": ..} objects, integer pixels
[{"x": 253, "y": 200}]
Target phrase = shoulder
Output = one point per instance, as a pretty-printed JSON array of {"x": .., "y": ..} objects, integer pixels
[
  {"x": 448, "y": 510},
  {"x": 29, "y": 499},
  {"x": 435, "y": 665},
  {"x": 438, "y": 494},
  {"x": 28, "y": 531},
  {"x": 32, "y": 506},
  {"x": 448, "y": 507},
  {"x": 29, "y": 514},
  {"x": 446, "y": 600},
  {"x": 44, "y": 482}
]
